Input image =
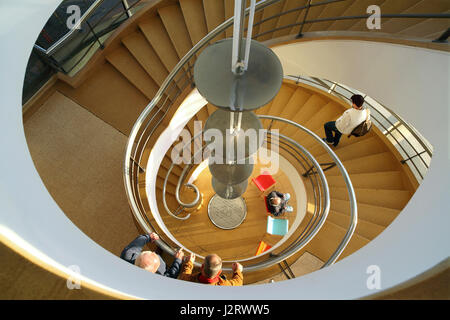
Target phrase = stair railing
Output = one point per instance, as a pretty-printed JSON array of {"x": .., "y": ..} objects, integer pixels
[
  {"x": 153, "y": 115},
  {"x": 95, "y": 35},
  {"x": 389, "y": 123}
]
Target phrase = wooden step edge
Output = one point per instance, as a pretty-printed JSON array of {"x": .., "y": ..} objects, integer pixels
[{"x": 364, "y": 228}]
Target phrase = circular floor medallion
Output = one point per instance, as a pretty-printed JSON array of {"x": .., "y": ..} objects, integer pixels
[{"x": 227, "y": 214}]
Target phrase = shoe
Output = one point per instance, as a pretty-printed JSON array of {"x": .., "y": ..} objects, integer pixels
[
  {"x": 330, "y": 143},
  {"x": 287, "y": 196},
  {"x": 289, "y": 209}
]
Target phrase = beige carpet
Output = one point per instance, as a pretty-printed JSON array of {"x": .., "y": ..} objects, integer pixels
[{"x": 79, "y": 158}]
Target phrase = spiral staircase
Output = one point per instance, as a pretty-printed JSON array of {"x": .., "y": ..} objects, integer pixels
[{"x": 136, "y": 63}]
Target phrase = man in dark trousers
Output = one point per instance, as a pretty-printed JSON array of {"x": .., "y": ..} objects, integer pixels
[
  {"x": 150, "y": 260},
  {"x": 277, "y": 203}
]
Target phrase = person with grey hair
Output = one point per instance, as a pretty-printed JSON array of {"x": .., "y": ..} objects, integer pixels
[
  {"x": 149, "y": 260},
  {"x": 211, "y": 272}
]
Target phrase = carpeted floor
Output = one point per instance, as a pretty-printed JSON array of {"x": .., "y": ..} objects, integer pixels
[{"x": 79, "y": 158}]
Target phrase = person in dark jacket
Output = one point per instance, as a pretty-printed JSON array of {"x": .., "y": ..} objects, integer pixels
[
  {"x": 150, "y": 260},
  {"x": 277, "y": 203}
]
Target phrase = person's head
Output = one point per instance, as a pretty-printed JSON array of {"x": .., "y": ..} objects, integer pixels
[
  {"x": 148, "y": 260},
  {"x": 275, "y": 201},
  {"x": 357, "y": 101},
  {"x": 212, "y": 265}
]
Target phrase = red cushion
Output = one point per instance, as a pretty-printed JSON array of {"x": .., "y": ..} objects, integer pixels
[{"x": 264, "y": 181}]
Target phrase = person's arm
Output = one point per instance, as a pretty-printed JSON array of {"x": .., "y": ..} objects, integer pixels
[
  {"x": 238, "y": 277},
  {"x": 174, "y": 269},
  {"x": 188, "y": 266},
  {"x": 135, "y": 248}
]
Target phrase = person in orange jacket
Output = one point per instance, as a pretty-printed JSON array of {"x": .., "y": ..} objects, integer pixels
[{"x": 211, "y": 272}]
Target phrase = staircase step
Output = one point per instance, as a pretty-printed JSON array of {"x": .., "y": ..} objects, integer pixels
[
  {"x": 289, "y": 18},
  {"x": 427, "y": 6},
  {"x": 387, "y": 180},
  {"x": 378, "y": 215},
  {"x": 214, "y": 15},
  {"x": 156, "y": 34},
  {"x": 325, "y": 243},
  {"x": 384, "y": 161},
  {"x": 279, "y": 102},
  {"x": 143, "y": 52},
  {"x": 173, "y": 20},
  {"x": 317, "y": 150},
  {"x": 311, "y": 107},
  {"x": 125, "y": 63},
  {"x": 331, "y": 10},
  {"x": 313, "y": 13},
  {"x": 269, "y": 24},
  {"x": 316, "y": 121},
  {"x": 386, "y": 6},
  {"x": 357, "y": 149},
  {"x": 202, "y": 115},
  {"x": 394, "y": 199},
  {"x": 425, "y": 28},
  {"x": 229, "y": 12},
  {"x": 194, "y": 17},
  {"x": 365, "y": 229},
  {"x": 173, "y": 179},
  {"x": 354, "y": 9}
]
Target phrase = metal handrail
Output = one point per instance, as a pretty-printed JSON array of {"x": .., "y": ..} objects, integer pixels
[
  {"x": 313, "y": 226},
  {"x": 318, "y": 220},
  {"x": 332, "y": 89},
  {"x": 188, "y": 58},
  {"x": 71, "y": 32},
  {"x": 352, "y": 198},
  {"x": 141, "y": 119},
  {"x": 158, "y": 96}
]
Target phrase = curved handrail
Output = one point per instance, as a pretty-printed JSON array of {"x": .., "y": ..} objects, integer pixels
[
  {"x": 153, "y": 104},
  {"x": 314, "y": 226},
  {"x": 332, "y": 89},
  {"x": 353, "y": 205},
  {"x": 158, "y": 96}
]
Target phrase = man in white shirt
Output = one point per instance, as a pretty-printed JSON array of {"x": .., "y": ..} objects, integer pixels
[{"x": 348, "y": 121}]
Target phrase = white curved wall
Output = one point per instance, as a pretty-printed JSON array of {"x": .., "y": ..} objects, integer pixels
[{"x": 416, "y": 241}]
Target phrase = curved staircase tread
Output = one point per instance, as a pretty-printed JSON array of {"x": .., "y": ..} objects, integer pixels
[
  {"x": 143, "y": 52},
  {"x": 173, "y": 20},
  {"x": 289, "y": 18},
  {"x": 383, "y": 161},
  {"x": 352, "y": 10},
  {"x": 127, "y": 65},
  {"x": 325, "y": 243},
  {"x": 194, "y": 17},
  {"x": 363, "y": 147},
  {"x": 156, "y": 34},
  {"x": 364, "y": 228},
  {"x": 269, "y": 24},
  {"x": 387, "y": 180},
  {"x": 214, "y": 14},
  {"x": 394, "y": 199},
  {"x": 378, "y": 215}
]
